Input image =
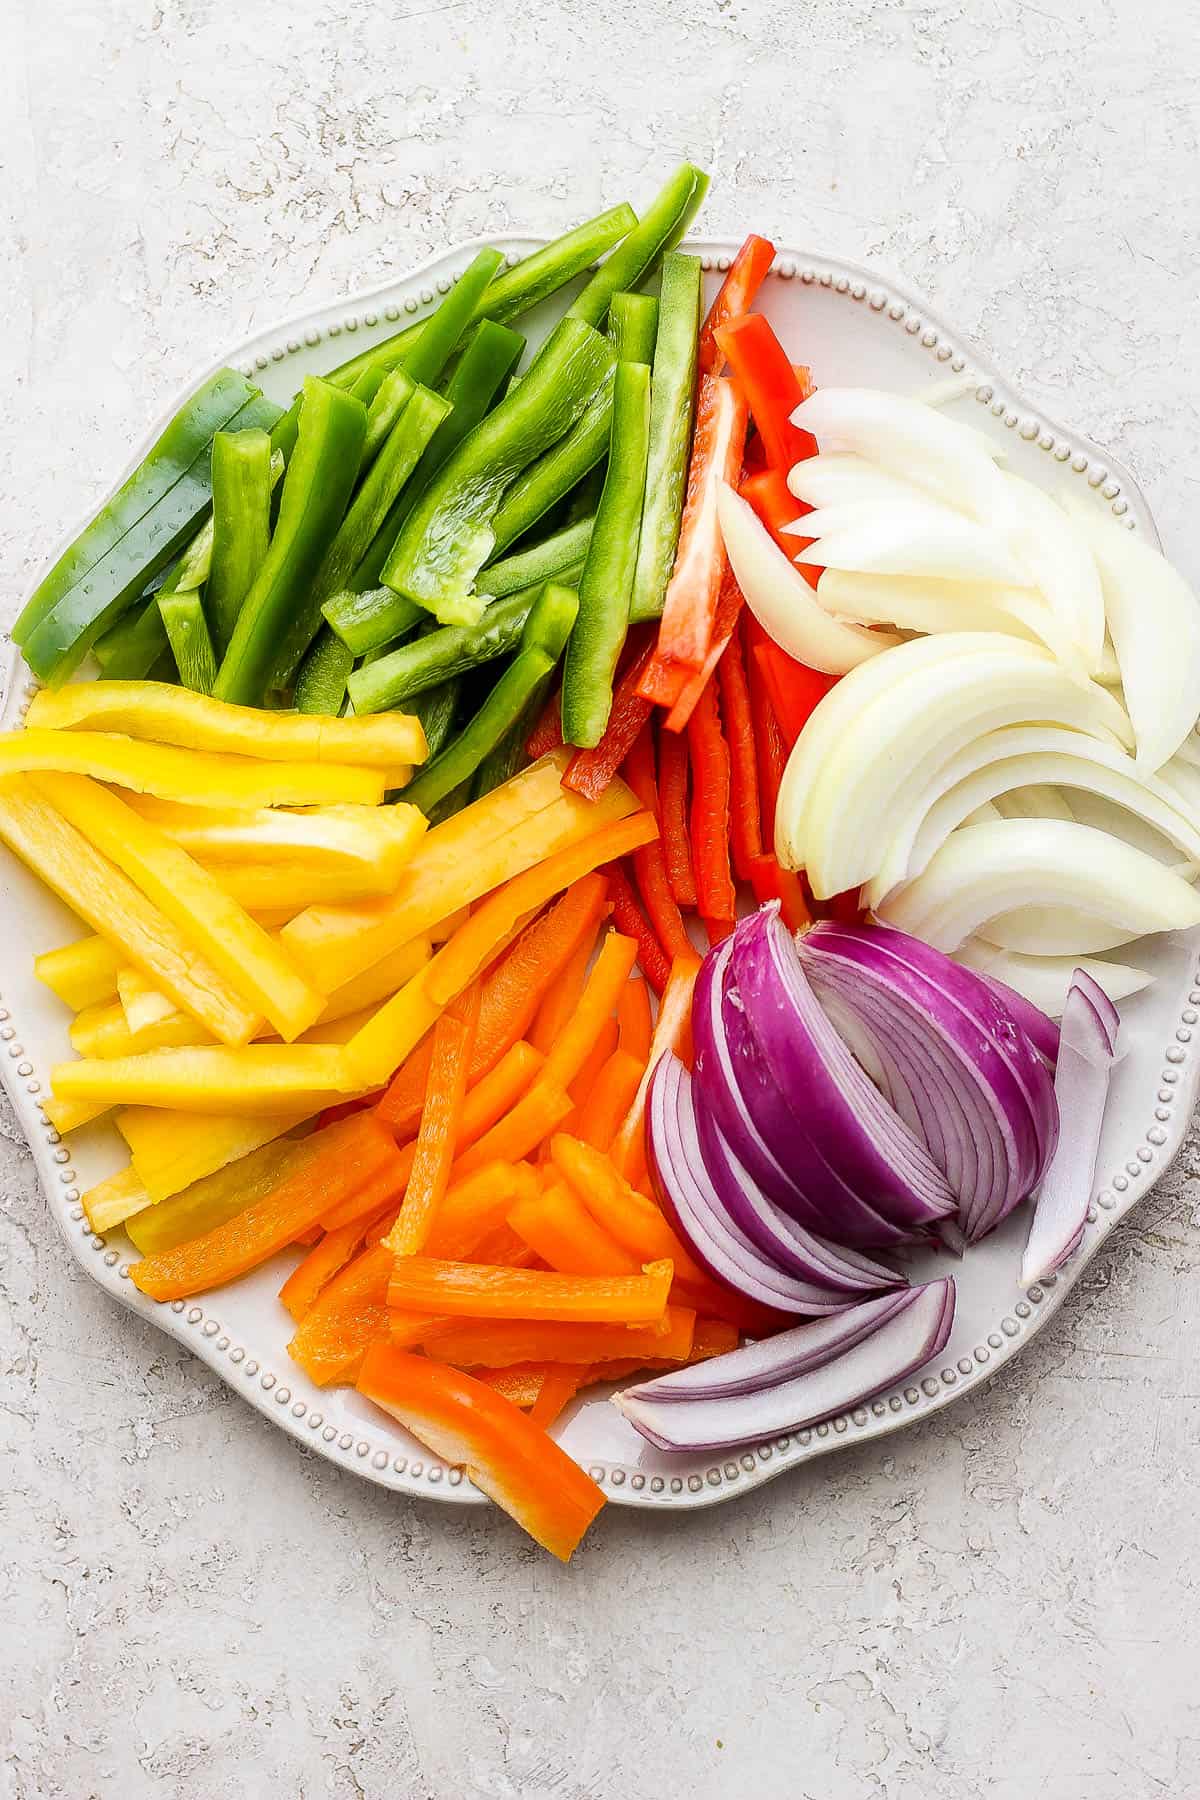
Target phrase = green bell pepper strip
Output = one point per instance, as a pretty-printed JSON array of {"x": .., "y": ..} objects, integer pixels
[
  {"x": 166, "y": 463},
  {"x": 188, "y": 635},
  {"x": 437, "y": 710},
  {"x": 392, "y": 395},
  {"x": 482, "y": 370},
  {"x": 632, "y": 323},
  {"x": 321, "y": 681},
  {"x": 316, "y": 488},
  {"x": 58, "y": 644},
  {"x": 672, "y": 406},
  {"x": 556, "y": 472},
  {"x": 546, "y": 631},
  {"x": 509, "y": 757},
  {"x": 607, "y": 580},
  {"x": 533, "y": 279},
  {"x": 244, "y": 470},
  {"x": 427, "y": 661},
  {"x": 660, "y": 228},
  {"x": 560, "y": 555},
  {"x": 392, "y": 468},
  {"x": 447, "y": 538},
  {"x": 368, "y": 385},
  {"x": 134, "y": 644},
  {"x": 443, "y": 332}
]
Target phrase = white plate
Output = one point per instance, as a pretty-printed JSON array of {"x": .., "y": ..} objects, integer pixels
[{"x": 854, "y": 328}]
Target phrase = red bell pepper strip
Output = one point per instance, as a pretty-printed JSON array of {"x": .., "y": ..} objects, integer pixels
[
  {"x": 771, "y": 385},
  {"x": 710, "y": 814},
  {"x": 650, "y": 863},
  {"x": 673, "y": 816},
  {"x": 745, "y": 826},
  {"x": 796, "y": 691},
  {"x": 729, "y": 608},
  {"x": 776, "y": 506},
  {"x": 770, "y": 747},
  {"x": 770, "y": 882},
  {"x": 691, "y": 600},
  {"x": 630, "y": 921},
  {"x": 590, "y": 771},
  {"x": 547, "y": 733},
  {"x": 747, "y": 272}
]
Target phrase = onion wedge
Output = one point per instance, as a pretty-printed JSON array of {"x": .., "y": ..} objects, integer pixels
[
  {"x": 1056, "y": 558},
  {"x": 892, "y": 539},
  {"x": 1045, "y": 980},
  {"x": 782, "y": 600},
  {"x": 915, "y": 604},
  {"x": 984, "y": 871},
  {"x": 840, "y": 476},
  {"x": 1052, "y": 931},
  {"x": 1036, "y": 801},
  {"x": 908, "y": 439}
]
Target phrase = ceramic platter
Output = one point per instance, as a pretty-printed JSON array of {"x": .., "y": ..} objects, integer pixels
[{"x": 854, "y": 329}]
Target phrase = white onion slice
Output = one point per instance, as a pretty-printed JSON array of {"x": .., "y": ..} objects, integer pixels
[
  {"x": 782, "y": 600},
  {"x": 932, "y": 542},
  {"x": 913, "y": 603},
  {"x": 1154, "y": 622},
  {"x": 1044, "y": 980},
  {"x": 913, "y": 441},
  {"x": 1038, "y": 800},
  {"x": 1056, "y": 558},
  {"x": 983, "y": 871},
  {"x": 1053, "y": 931},
  {"x": 838, "y": 476}
]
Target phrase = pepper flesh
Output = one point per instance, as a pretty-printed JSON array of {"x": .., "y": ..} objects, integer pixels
[
  {"x": 672, "y": 404},
  {"x": 430, "y": 660},
  {"x": 241, "y": 488},
  {"x": 747, "y": 272},
  {"x": 474, "y": 1290}
]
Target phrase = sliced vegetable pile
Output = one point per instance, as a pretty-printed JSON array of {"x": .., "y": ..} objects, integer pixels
[{"x": 433, "y": 737}]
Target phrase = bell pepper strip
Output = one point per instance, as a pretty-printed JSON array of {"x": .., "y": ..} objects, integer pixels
[
  {"x": 441, "y": 1122},
  {"x": 333, "y": 1164},
  {"x": 64, "y": 859},
  {"x": 377, "y": 983},
  {"x": 215, "y": 1198},
  {"x": 476, "y": 1207},
  {"x": 539, "y": 1112},
  {"x": 711, "y": 793},
  {"x": 632, "y": 323},
  {"x": 548, "y": 560},
  {"x": 711, "y": 1337},
  {"x": 254, "y": 1079},
  {"x": 590, "y": 771},
  {"x": 136, "y": 533},
  {"x": 770, "y": 882},
  {"x": 650, "y": 862},
  {"x": 131, "y": 648},
  {"x": 629, "y": 919},
  {"x": 736, "y": 295},
  {"x": 442, "y": 332},
  {"x": 606, "y": 584},
  {"x": 603, "y": 1046},
  {"x": 448, "y": 537},
  {"x": 530, "y": 972},
  {"x": 508, "y": 756},
  {"x": 745, "y": 827},
  {"x": 142, "y": 1002},
  {"x": 477, "y": 1291},
  {"x": 777, "y": 507},
  {"x": 520, "y": 1385},
  {"x": 546, "y": 735},
  {"x": 558, "y": 1228},
  {"x": 660, "y": 228},
  {"x": 673, "y": 767},
  {"x": 68, "y": 1115},
  {"x": 81, "y": 974},
  {"x": 471, "y": 1426},
  {"x": 499, "y": 1343},
  {"x": 560, "y": 471},
  {"x": 187, "y": 632},
  {"x": 117, "y": 1201},
  {"x": 353, "y": 839},
  {"x": 690, "y": 604},
  {"x": 562, "y": 1383},
  {"x": 166, "y": 715},
  {"x": 348, "y": 1315},
  {"x": 730, "y": 606},
  {"x": 171, "y": 1150},
  {"x": 672, "y": 1032},
  {"x": 251, "y": 961},
  {"x": 426, "y": 662},
  {"x": 563, "y": 996},
  {"x": 103, "y": 1030},
  {"x": 771, "y": 386},
  {"x": 612, "y": 1094},
  {"x": 794, "y": 690},
  {"x": 322, "y": 676},
  {"x": 241, "y": 517},
  {"x": 332, "y": 1251},
  {"x": 597, "y": 1004},
  {"x": 672, "y": 406},
  {"x": 634, "y": 1022}
]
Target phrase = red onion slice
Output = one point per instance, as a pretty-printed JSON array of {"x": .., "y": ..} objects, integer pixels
[
  {"x": 694, "y": 1417},
  {"x": 1041, "y": 1031}
]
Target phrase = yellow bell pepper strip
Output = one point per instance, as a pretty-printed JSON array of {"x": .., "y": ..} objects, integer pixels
[
  {"x": 172, "y": 1150},
  {"x": 256, "y": 1079},
  {"x": 659, "y": 229},
  {"x": 498, "y": 1343},
  {"x": 112, "y": 1202},
  {"x": 251, "y": 961},
  {"x": 70, "y": 1115},
  {"x": 266, "y": 887},
  {"x": 241, "y": 517},
  {"x": 447, "y": 538},
  {"x": 514, "y": 826},
  {"x": 174, "y": 774},
  {"x": 672, "y": 405},
  {"x": 328, "y": 1166},
  {"x": 113, "y": 553},
  {"x": 378, "y": 839},
  {"x": 215, "y": 1198},
  {"x": 475, "y": 1291},
  {"x": 112, "y": 905},
  {"x": 103, "y": 1030},
  {"x": 142, "y": 1002},
  {"x": 380, "y": 488},
  {"x": 80, "y": 974},
  {"x": 467, "y": 1423},
  {"x": 377, "y": 983},
  {"x": 171, "y": 715},
  {"x": 441, "y": 1124}
]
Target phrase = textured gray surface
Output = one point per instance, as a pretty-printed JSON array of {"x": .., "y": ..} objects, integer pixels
[{"x": 1000, "y": 1603}]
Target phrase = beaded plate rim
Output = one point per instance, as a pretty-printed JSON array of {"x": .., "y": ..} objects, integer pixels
[{"x": 693, "y": 1481}]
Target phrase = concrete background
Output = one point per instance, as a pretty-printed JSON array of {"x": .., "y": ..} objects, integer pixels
[{"x": 1001, "y": 1603}]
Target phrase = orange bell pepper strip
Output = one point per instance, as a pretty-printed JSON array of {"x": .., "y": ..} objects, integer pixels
[
  {"x": 635, "y": 1025},
  {"x": 468, "y": 1424},
  {"x": 712, "y": 1337},
  {"x": 331, "y": 1251},
  {"x": 745, "y": 820},
  {"x": 349, "y": 1313},
  {"x": 563, "y": 1381},
  {"x": 477, "y": 1206},
  {"x": 612, "y": 1094},
  {"x": 520, "y": 1385},
  {"x": 589, "y": 772},
  {"x": 342, "y": 1160},
  {"x": 558, "y": 1227},
  {"x": 730, "y": 604},
  {"x": 630, "y": 921},
  {"x": 673, "y": 815},
  {"x": 498, "y": 1343},
  {"x": 562, "y": 999},
  {"x": 475, "y": 1291},
  {"x": 512, "y": 991},
  {"x": 490, "y": 1100},
  {"x": 597, "y": 1004},
  {"x": 518, "y": 1134},
  {"x": 690, "y": 606},
  {"x": 584, "y": 1083},
  {"x": 747, "y": 272},
  {"x": 441, "y": 1124},
  {"x": 771, "y": 385},
  {"x": 650, "y": 863},
  {"x": 672, "y": 1031},
  {"x": 711, "y": 792}
]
